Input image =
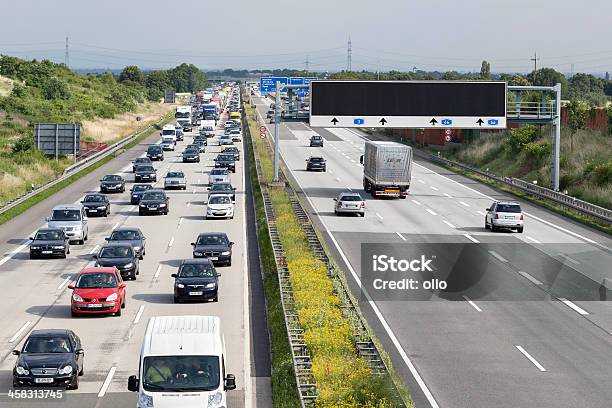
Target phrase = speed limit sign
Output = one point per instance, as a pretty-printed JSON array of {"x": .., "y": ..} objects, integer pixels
[
  {"x": 262, "y": 129},
  {"x": 448, "y": 132},
  {"x": 262, "y": 135},
  {"x": 447, "y": 138}
]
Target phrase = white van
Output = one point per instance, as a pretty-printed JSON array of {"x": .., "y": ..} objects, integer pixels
[
  {"x": 182, "y": 364},
  {"x": 168, "y": 133}
]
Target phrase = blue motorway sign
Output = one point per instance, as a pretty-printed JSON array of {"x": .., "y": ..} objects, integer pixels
[{"x": 268, "y": 84}]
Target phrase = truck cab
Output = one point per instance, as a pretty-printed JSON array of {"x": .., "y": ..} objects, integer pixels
[{"x": 168, "y": 133}]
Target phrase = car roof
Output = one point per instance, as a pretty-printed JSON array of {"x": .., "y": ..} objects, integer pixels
[
  {"x": 126, "y": 229},
  {"x": 46, "y": 332},
  {"x": 206, "y": 234},
  {"x": 49, "y": 229},
  {"x": 316, "y": 157},
  {"x": 349, "y": 193},
  {"x": 98, "y": 269},
  {"x": 68, "y": 207},
  {"x": 156, "y": 190},
  {"x": 508, "y": 202},
  {"x": 115, "y": 244},
  {"x": 96, "y": 194},
  {"x": 183, "y": 335},
  {"x": 196, "y": 261}
]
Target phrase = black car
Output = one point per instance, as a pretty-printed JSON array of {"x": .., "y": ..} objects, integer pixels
[
  {"x": 50, "y": 357},
  {"x": 155, "y": 152},
  {"x": 129, "y": 235},
  {"x": 316, "y": 141},
  {"x": 191, "y": 155},
  {"x": 201, "y": 146},
  {"x": 49, "y": 242},
  {"x": 154, "y": 202},
  {"x": 140, "y": 161},
  {"x": 137, "y": 191},
  {"x": 196, "y": 279},
  {"x": 179, "y": 133},
  {"x": 187, "y": 127},
  {"x": 222, "y": 188},
  {"x": 112, "y": 183},
  {"x": 120, "y": 255},
  {"x": 233, "y": 150},
  {"x": 145, "y": 172},
  {"x": 315, "y": 163},
  {"x": 202, "y": 139},
  {"x": 96, "y": 204},
  {"x": 226, "y": 161},
  {"x": 215, "y": 246}
]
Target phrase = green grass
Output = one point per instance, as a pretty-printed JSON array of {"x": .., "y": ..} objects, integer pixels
[{"x": 22, "y": 207}]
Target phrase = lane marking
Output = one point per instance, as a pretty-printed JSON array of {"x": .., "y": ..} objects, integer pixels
[
  {"x": 575, "y": 262},
  {"x": 432, "y": 212},
  {"x": 530, "y": 278},
  {"x": 530, "y": 358},
  {"x": 94, "y": 249},
  {"x": 194, "y": 191},
  {"x": 416, "y": 202},
  {"x": 137, "y": 318},
  {"x": 481, "y": 213},
  {"x": 338, "y": 179},
  {"x": 189, "y": 204},
  {"x": 464, "y": 203},
  {"x": 116, "y": 225},
  {"x": 65, "y": 281},
  {"x": 379, "y": 216},
  {"x": 474, "y": 305},
  {"x": 434, "y": 188},
  {"x": 498, "y": 256},
  {"x": 132, "y": 208},
  {"x": 16, "y": 335},
  {"x": 353, "y": 160},
  {"x": 107, "y": 381},
  {"x": 171, "y": 242},
  {"x": 180, "y": 221},
  {"x": 448, "y": 195},
  {"x": 535, "y": 241},
  {"x": 448, "y": 223},
  {"x": 471, "y": 238},
  {"x": 14, "y": 252},
  {"x": 349, "y": 189},
  {"x": 574, "y": 307},
  {"x": 401, "y": 236},
  {"x": 421, "y": 181}
]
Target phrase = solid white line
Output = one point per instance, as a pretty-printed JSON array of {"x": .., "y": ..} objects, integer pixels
[
  {"x": 464, "y": 203},
  {"x": 498, "y": 256},
  {"x": 574, "y": 306},
  {"x": 157, "y": 272},
  {"x": 107, "y": 382},
  {"x": 434, "y": 188},
  {"x": 474, "y": 305},
  {"x": 481, "y": 213},
  {"x": 401, "y": 236},
  {"x": 448, "y": 223},
  {"x": 379, "y": 216},
  {"x": 16, "y": 336},
  {"x": 448, "y": 195},
  {"x": 530, "y": 278},
  {"x": 471, "y": 238},
  {"x": 14, "y": 252},
  {"x": 171, "y": 242},
  {"x": 65, "y": 281},
  {"x": 137, "y": 318},
  {"x": 416, "y": 202},
  {"x": 533, "y": 360},
  {"x": 115, "y": 226},
  {"x": 248, "y": 394},
  {"x": 575, "y": 262},
  {"x": 432, "y": 212},
  {"x": 94, "y": 249}
]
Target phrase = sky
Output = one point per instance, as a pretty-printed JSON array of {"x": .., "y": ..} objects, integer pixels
[{"x": 385, "y": 34}]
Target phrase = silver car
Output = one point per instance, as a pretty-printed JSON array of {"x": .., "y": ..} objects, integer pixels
[
  {"x": 71, "y": 218},
  {"x": 505, "y": 214},
  {"x": 175, "y": 179},
  {"x": 218, "y": 176},
  {"x": 349, "y": 203}
]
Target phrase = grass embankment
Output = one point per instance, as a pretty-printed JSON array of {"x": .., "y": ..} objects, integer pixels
[{"x": 343, "y": 378}]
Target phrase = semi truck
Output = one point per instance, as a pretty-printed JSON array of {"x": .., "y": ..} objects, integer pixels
[
  {"x": 211, "y": 111},
  {"x": 387, "y": 169}
]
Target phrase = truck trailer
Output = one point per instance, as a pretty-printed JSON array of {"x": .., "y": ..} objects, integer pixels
[{"x": 387, "y": 169}]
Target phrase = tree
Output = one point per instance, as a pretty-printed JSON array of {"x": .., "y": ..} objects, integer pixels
[
  {"x": 132, "y": 73},
  {"x": 451, "y": 76},
  {"x": 518, "y": 80},
  {"x": 485, "y": 70},
  {"x": 187, "y": 78},
  {"x": 576, "y": 118},
  {"x": 548, "y": 77},
  {"x": 55, "y": 88},
  {"x": 157, "y": 83}
]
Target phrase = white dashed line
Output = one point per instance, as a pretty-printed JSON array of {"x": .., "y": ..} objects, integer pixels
[
  {"x": 349, "y": 189},
  {"x": 115, "y": 226},
  {"x": 132, "y": 208},
  {"x": 421, "y": 181},
  {"x": 379, "y": 216},
  {"x": 434, "y": 188},
  {"x": 530, "y": 358},
  {"x": 171, "y": 242},
  {"x": 535, "y": 241},
  {"x": 448, "y": 195},
  {"x": 401, "y": 236},
  {"x": 14, "y": 252},
  {"x": 575, "y": 262},
  {"x": 448, "y": 223},
  {"x": 464, "y": 203},
  {"x": 474, "y": 305},
  {"x": 338, "y": 179},
  {"x": 471, "y": 238},
  {"x": 16, "y": 336},
  {"x": 481, "y": 213},
  {"x": 194, "y": 191},
  {"x": 416, "y": 202},
  {"x": 107, "y": 382},
  {"x": 137, "y": 318},
  {"x": 432, "y": 212},
  {"x": 530, "y": 278},
  {"x": 189, "y": 204},
  {"x": 498, "y": 256},
  {"x": 94, "y": 249},
  {"x": 574, "y": 307},
  {"x": 157, "y": 272},
  {"x": 64, "y": 282},
  {"x": 180, "y": 221}
]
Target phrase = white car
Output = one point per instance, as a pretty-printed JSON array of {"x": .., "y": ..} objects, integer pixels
[
  {"x": 218, "y": 176},
  {"x": 349, "y": 203},
  {"x": 220, "y": 206},
  {"x": 236, "y": 135},
  {"x": 505, "y": 214}
]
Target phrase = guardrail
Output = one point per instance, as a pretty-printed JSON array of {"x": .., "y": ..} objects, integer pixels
[
  {"x": 565, "y": 200},
  {"x": 68, "y": 171}
]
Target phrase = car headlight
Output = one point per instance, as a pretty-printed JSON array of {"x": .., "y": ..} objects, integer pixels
[
  {"x": 58, "y": 247},
  {"x": 225, "y": 253},
  {"x": 180, "y": 285},
  {"x": 210, "y": 285},
  {"x": 214, "y": 400},
  {"x": 76, "y": 297},
  {"x": 142, "y": 205},
  {"x": 197, "y": 253},
  {"x": 209, "y": 210},
  {"x": 102, "y": 207},
  {"x": 137, "y": 248},
  {"x": 145, "y": 401},
  {"x": 21, "y": 371},
  {"x": 65, "y": 371},
  {"x": 35, "y": 247},
  {"x": 162, "y": 205},
  {"x": 135, "y": 195},
  {"x": 129, "y": 265}
]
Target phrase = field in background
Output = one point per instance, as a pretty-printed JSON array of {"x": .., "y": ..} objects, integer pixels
[{"x": 6, "y": 85}]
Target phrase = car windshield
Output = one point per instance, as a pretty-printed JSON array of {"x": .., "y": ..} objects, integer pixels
[
  {"x": 316, "y": 137},
  {"x": 142, "y": 187},
  {"x": 195, "y": 270},
  {"x": 221, "y": 187},
  {"x": 145, "y": 168},
  {"x": 218, "y": 172},
  {"x": 175, "y": 174},
  {"x": 352, "y": 197},
  {"x": 124, "y": 235},
  {"x": 153, "y": 196},
  {"x": 51, "y": 344},
  {"x": 181, "y": 373},
  {"x": 316, "y": 159},
  {"x": 191, "y": 151},
  {"x": 220, "y": 199},
  {"x": 97, "y": 280},
  {"x": 154, "y": 149},
  {"x": 66, "y": 215},
  {"x": 143, "y": 160},
  {"x": 112, "y": 177},
  {"x": 94, "y": 198},
  {"x": 211, "y": 240},
  {"x": 235, "y": 132},
  {"x": 116, "y": 252},
  {"x": 226, "y": 157},
  {"x": 49, "y": 236},
  {"x": 508, "y": 208},
  {"x": 169, "y": 132}
]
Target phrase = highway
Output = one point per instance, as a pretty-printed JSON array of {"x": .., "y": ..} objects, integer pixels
[
  {"x": 533, "y": 332},
  {"x": 36, "y": 294}
]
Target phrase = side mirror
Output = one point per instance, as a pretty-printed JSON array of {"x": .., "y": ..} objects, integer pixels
[
  {"x": 80, "y": 352},
  {"x": 82, "y": 202},
  {"x": 361, "y": 159},
  {"x": 230, "y": 382},
  {"x": 487, "y": 209},
  {"x": 231, "y": 243},
  {"x": 16, "y": 352},
  {"x": 47, "y": 219},
  {"x": 218, "y": 275},
  {"x": 234, "y": 188},
  {"x": 174, "y": 275},
  {"x": 94, "y": 256},
  {"x": 193, "y": 244},
  {"x": 107, "y": 239},
  {"x": 71, "y": 286},
  {"x": 122, "y": 285},
  {"x": 31, "y": 238},
  {"x": 335, "y": 199},
  {"x": 133, "y": 383}
]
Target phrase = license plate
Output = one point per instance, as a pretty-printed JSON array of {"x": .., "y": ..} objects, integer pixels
[
  {"x": 94, "y": 305},
  {"x": 391, "y": 191},
  {"x": 43, "y": 380},
  {"x": 144, "y": 177},
  {"x": 47, "y": 252},
  {"x": 214, "y": 258},
  {"x": 152, "y": 208},
  {"x": 93, "y": 210},
  {"x": 195, "y": 293}
]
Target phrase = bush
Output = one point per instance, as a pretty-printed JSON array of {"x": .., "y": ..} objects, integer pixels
[
  {"x": 55, "y": 88},
  {"x": 537, "y": 151},
  {"x": 519, "y": 137},
  {"x": 23, "y": 144},
  {"x": 599, "y": 172}
]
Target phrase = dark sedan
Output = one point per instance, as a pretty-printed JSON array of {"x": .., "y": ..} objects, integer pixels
[
  {"x": 233, "y": 150},
  {"x": 96, "y": 204},
  {"x": 137, "y": 191},
  {"x": 226, "y": 161},
  {"x": 112, "y": 183},
  {"x": 50, "y": 357},
  {"x": 187, "y": 127},
  {"x": 215, "y": 246},
  {"x": 144, "y": 173},
  {"x": 155, "y": 152},
  {"x": 222, "y": 188},
  {"x": 191, "y": 156},
  {"x": 140, "y": 161},
  {"x": 201, "y": 145},
  {"x": 315, "y": 163},
  {"x": 154, "y": 202},
  {"x": 316, "y": 141},
  {"x": 196, "y": 279},
  {"x": 49, "y": 242},
  {"x": 120, "y": 255},
  {"x": 129, "y": 235},
  {"x": 199, "y": 138}
]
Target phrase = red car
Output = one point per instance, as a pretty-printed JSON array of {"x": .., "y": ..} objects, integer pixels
[{"x": 97, "y": 291}]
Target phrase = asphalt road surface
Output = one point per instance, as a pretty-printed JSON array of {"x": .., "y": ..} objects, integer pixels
[
  {"x": 533, "y": 331},
  {"x": 36, "y": 295}
]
